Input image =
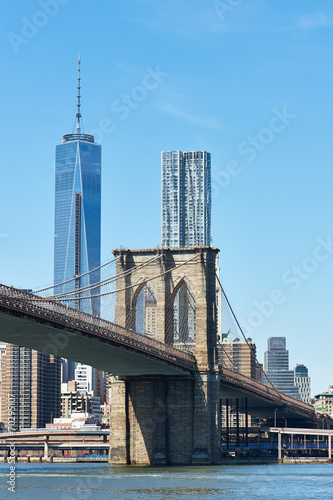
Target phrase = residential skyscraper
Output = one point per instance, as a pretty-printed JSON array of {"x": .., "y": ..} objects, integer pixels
[
  {"x": 77, "y": 233},
  {"x": 276, "y": 366},
  {"x": 31, "y": 380},
  {"x": 186, "y": 198}
]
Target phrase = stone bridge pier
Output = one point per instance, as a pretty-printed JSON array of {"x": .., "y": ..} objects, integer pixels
[{"x": 169, "y": 419}]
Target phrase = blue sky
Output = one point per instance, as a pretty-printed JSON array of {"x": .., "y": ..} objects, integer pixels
[{"x": 249, "y": 81}]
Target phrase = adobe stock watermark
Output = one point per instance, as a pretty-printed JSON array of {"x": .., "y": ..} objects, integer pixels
[
  {"x": 12, "y": 450},
  {"x": 251, "y": 147},
  {"x": 57, "y": 342},
  {"x": 292, "y": 278},
  {"x": 30, "y": 27},
  {"x": 225, "y": 7},
  {"x": 123, "y": 105}
]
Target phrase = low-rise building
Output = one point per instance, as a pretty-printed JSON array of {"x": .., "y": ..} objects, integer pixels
[{"x": 324, "y": 402}]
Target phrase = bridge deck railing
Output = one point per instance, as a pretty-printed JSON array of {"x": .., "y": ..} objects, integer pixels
[
  {"x": 52, "y": 310},
  {"x": 234, "y": 378}
]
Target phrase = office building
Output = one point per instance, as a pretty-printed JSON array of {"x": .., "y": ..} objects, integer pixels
[
  {"x": 303, "y": 382},
  {"x": 77, "y": 230},
  {"x": 276, "y": 367},
  {"x": 30, "y": 380},
  {"x": 186, "y": 198}
]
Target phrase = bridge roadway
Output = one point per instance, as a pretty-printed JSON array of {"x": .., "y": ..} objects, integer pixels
[{"x": 50, "y": 327}]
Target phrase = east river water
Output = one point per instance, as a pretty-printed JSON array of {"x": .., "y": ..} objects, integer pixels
[{"x": 99, "y": 481}]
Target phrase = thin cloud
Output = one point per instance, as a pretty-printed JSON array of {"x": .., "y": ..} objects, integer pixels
[
  {"x": 201, "y": 121},
  {"x": 312, "y": 21}
]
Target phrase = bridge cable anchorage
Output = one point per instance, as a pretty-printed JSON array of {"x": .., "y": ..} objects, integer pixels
[
  {"x": 76, "y": 277},
  {"x": 93, "y": 286},
  {"x": 280, "y": 394},
  {"x": 131, "y": 286}
]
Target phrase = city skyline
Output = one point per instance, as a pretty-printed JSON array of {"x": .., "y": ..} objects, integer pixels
[{"x": 253, "y": 88}]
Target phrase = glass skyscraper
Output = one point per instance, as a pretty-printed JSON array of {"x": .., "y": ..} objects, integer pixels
[
  {"x": 77, "y": 228},
  {"x": 186, "y": 198},
  {"x": 303, "y": 382},
  {"x": 77, "y": 234},
  {"x": 276, "y": 366}
]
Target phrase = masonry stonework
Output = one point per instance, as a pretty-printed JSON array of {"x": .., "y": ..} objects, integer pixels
[{"x": 168, "y": 420}]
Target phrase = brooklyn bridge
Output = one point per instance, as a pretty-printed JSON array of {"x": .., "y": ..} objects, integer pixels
[{"x": 169, "y": 384}]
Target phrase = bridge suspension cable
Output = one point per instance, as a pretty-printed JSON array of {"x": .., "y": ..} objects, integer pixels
[
  {"x": 143, "y": 282},
  {"x": 100, "y": 284},
  {"x": 280, "y": 395},
  {"x": 75, "y": 278}
]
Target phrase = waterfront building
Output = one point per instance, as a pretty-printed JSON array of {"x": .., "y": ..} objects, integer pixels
[
  {"x": 324, "y": 402},
  {"x": 276, "y": 367},
  {"x": 303, "y": 382},
  {"x": 77, "y": 228},
  {"x": 186, "y": 198},
  {"x": 31, "y": 381}
]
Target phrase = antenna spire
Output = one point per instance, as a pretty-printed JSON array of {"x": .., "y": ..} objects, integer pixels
[{"x": 78, "y": 114}]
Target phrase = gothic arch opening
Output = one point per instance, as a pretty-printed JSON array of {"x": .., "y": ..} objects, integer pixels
[
  {"x": 144, "y": 308},
  {"x": 184, "y": 316}
]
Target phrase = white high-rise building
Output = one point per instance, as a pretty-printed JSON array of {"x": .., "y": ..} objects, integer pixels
[
  {"x": 186, "y": 198},
  {"x": 84, "y": 378}
]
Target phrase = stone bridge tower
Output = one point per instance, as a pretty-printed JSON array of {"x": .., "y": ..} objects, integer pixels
[{"x": 169, "y": 420}]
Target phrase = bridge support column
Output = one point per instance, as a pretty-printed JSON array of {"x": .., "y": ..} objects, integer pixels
[
  {"x": 227, "y": 422},
  {"x": 165, "y": 420},
  {"x": 330, "y": 449},
  {"x": 118, "y": 453},
  {"x": 46, "y": 446},
  {"x": 279, "y": 449}
]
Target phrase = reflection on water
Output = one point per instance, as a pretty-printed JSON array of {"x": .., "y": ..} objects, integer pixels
[{"x": 99, "y": 481}]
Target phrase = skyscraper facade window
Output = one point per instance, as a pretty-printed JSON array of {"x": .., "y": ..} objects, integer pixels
[
  {"x": 186, "y": 198},
  {"x": 276, "y": 366}
]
